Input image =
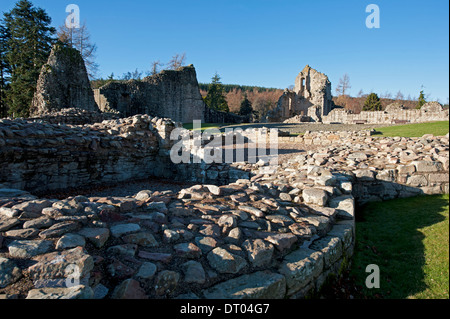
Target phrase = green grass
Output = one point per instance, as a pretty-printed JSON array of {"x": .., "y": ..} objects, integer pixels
[
  {"x": 416, "y": 130},
  {"x": 409, "y": 240},
  {"x": 205, "y": 126}
]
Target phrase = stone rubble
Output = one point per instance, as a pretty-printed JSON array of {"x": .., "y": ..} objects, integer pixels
[
  {"x": 161, "y": 246},
  {"x": 258, "y": 235}
]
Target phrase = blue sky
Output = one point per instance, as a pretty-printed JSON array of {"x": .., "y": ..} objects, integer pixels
[{"x": 268, "y": 42}]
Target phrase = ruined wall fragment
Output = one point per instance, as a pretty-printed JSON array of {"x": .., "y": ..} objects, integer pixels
[{"x": 63, "y": 83}]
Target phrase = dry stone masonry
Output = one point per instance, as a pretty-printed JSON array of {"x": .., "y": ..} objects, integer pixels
[
  {"x": 312, "y": 101},
  {"x": 63, "y": 83},
  {"x": 259, "y": 238},
  {"x": 171, "y": 94},
  {"x": 39, "y": 156},
  {"x": 241, "y": 231},
  {"x": 260, "y": 232},
  {"x": 309, "y": 102},
  {"x": 394, "y": 114}
]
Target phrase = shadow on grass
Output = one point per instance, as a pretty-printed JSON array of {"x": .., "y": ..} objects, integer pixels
[{"x": 388, "y": 235}]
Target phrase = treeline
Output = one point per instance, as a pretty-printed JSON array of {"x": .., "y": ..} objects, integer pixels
[
  {"x": 373, "y": 101},
  {"x": 246, "y": 100},
  {"x": 233, "y": 87},
  {"x": 252, "y": 102}
]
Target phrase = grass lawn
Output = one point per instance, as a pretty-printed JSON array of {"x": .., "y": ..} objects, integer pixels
[
  {"x": 409, "y": 240},
  {"x": 205, "y": 126},
  {"x": 416, "y": 130}
]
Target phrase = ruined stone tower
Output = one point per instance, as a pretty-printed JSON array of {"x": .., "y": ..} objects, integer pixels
[
  {"x": 63, "y": 83},
  {"x": 171, "y": 94},
  {"x": 311, "y": 98}
]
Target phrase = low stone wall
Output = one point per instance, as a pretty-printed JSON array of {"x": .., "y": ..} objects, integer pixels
[
  {"x": 259, "y": 239},
  {"x": 74, "y": 116},
  {"x": 394, "y": 116},
  {"x": 39, "y": 157},
  {"x": 381, "y": 168},
  {"x": 324, "y": 138},
  {"x": 213, "y": 116},
  {"x": 268, "y": 232}
]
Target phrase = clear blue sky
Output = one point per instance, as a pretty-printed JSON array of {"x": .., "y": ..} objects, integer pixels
[{"x": 268, "y": 42}]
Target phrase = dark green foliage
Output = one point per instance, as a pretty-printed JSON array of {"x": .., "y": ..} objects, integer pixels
[
  {"x": 246, "y": 107},
  {"x": 27, "y": 48},
  {"x": 5, "y": 71},
  {"x": 98, "y": 83},
  {"x": 422, "y": 100},
  {"x": 216, "y": 99},
  {"x": 372, "y": 103},
  {"x": 230, "y": 87}
]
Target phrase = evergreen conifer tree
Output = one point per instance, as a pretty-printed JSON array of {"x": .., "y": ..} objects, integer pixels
[
  {"x": 246, "y": 107},
  {"x": 372, "y": 103},
  {"x": 215, "y": 99},
  {"x": 421, "y": 101},
  {"x": 5, "y": 70},
  {"x": 28, "y": 47}
]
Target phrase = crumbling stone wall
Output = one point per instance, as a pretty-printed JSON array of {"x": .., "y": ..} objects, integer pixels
[
  {"x": 381, "y": 168},
  {"x": 74, "y": 116},
  {"x": 277, "y": 234},
  {"x": 171, "y": 94},
  {"x": 63, "y": 83},
  {"x": 311, "y": 98},
  {"x": 394, "y": 114},
  {"x": 41, "y": 157}
]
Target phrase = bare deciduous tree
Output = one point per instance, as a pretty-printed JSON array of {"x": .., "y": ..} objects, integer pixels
[
  {"x": 343, "y": 86},
  {"x": 135, "y": 75},
  {"x": 155, "y": 67},
  {"x": 80, "y": 39},
  {"x": 177, "y": 61},
  {"x": 386, "y": 95},
  {"x": 399, "y": 96}
]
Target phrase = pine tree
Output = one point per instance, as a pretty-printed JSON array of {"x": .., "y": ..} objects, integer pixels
[
  {"x": 28, "y": 48},
  {"x": 215, "y": 99},
  {"x": 372, "y": 103},
  {"x": 5, "y": 70},
  {"x": 246, "y": 107},
  {"x": 421, "y": 101}
]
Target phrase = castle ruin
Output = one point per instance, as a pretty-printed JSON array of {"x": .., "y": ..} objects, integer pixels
[
  {"x": 311, "y": 98},
  {"x": 238, "y": 231},
  {"x": 63, "y": 83},
  {"x": 173, "y": 94}
]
